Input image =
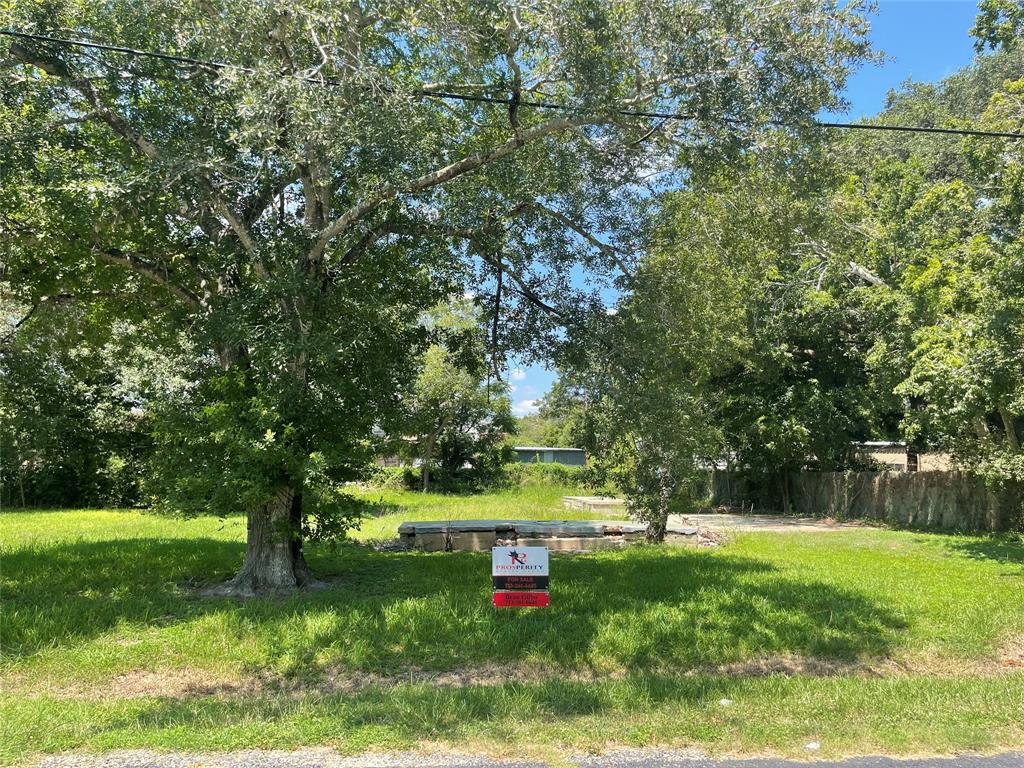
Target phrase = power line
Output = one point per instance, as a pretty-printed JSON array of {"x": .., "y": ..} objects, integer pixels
[{"x": 484, "y": 99}]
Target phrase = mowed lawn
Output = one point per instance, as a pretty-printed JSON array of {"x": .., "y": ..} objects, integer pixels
[
  {"x": 862, "y": 640},
  {"x": 538, "y": 502}
]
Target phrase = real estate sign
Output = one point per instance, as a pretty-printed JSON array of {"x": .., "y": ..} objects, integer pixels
[{"x": 520, "y": 576}]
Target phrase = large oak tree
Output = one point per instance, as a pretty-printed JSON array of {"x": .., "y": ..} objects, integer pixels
[{"x": 288, "y": 212}]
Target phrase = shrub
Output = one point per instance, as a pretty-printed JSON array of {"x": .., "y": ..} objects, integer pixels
[
  {"x": 393, "y": 478},
  {"x": 508, "y": 475},
  {"x": 517, "y": 474}
]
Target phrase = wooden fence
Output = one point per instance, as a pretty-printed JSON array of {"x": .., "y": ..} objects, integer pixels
[{"x": 948, "y": 500}]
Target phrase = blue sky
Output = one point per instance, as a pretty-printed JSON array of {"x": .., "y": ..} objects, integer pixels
[{"x": 923, "y": 39}]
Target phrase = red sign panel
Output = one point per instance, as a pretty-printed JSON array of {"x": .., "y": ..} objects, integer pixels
[{"x": 521, "y": 599}]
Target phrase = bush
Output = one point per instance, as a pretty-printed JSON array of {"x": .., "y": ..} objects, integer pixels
[
  {"x": 509, "y": 475},
  {"x": 121, "y": 481},
  {"x": 393, "y": 478},
  {"x": 517, "y": 474}
]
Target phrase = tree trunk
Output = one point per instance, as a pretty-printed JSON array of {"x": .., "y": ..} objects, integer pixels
[
  {"x": 656, "y": 528},
  {"x": 274, "y": 562},
  {"x": 428, "y": 456},
  {"x": 1010, "y": 428},
  {"x": 981, "y": 427}
]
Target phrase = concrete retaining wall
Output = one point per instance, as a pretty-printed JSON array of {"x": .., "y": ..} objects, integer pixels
[{"x": 556, "y": 535}]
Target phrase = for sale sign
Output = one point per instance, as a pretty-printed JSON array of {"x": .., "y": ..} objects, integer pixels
[{"x": 520, "y": 576}]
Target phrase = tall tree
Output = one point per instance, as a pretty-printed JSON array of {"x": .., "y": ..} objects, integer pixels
[
  {"x": 937, "y": 221},
  {"x": 294, "y": 206},
  {"x": 459, "y": 420},
  {"x": 571, "y": 415},
  {"x": 1000, "y": 24}
]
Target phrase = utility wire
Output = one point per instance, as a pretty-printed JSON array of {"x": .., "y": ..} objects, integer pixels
[{"x": 484, "y": 99}]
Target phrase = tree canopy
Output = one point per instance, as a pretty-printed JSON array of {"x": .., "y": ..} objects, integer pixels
[
  {"x": 289, "y": 187},
  {"x": 793, "y": 305}
]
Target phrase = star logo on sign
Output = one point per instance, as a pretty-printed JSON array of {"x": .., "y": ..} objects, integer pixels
[{"x": 517, "y": 558}]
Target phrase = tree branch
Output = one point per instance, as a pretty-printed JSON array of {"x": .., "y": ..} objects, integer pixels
[
  {"x": 510, "y": 32},
  {"x": 236, "y": 224},
  {"x": 56, "y": 298},
  {"x": 472, "y": 235},
  {"x": 362, "y": 245},
  {"x": 24, "y": 319},
  {"x": 103, "y": 112},
  {"x": 523, "y": 288},
  {"x": 865, "y": 274},
  {"x": 151, "y": 272},
  {"x": 608, "y": 250},
  {"x": 436, "y": 177}
]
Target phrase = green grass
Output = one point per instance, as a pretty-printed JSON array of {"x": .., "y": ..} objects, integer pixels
[
  {"x": 631, "y": 651},
  {"x": 537, "y": 502}
]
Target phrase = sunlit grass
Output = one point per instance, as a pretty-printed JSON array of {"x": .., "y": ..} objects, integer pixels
[
  {"x": 529, "y": 503},
  {"x": 631, "y": 651}
]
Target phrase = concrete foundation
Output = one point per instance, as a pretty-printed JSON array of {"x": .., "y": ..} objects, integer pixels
[
  {"x": 556, "y": 535},
  {"x": 608, "y": 504}
]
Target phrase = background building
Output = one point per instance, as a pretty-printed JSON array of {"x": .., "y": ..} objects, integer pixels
[{"x": 528, "y": 454}]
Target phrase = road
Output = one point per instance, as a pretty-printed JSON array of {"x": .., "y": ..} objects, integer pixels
[{"x": 638, "y": 758}]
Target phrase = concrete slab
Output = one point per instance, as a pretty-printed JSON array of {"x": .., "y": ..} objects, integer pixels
[
  {"x": 594, "y": 503},
  {"x": 561, "y": 528},
  {"x": 568, "y": 544},
  {"x": 441, "y": 526},
  {"x": 431, "y": 542},
  {"x": 557, "y": 535},
  {"x": 779, "y": 523},
  {"x": 480, "y": 535}
]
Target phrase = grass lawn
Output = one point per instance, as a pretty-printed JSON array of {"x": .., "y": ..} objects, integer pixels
[
  {"x": 863, "y": 640},
  {"x": 530, "y": 503}
]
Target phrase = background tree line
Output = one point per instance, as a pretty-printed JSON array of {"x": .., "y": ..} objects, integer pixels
[{"x": 866, "y": 288}]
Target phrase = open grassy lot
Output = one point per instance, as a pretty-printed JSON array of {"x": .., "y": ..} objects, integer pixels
[
  {"x": 540, "y": 502},
  {"x": 863, "y": 640}
]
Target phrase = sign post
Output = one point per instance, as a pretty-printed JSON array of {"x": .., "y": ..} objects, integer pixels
[{"x": 519, "y": 576}]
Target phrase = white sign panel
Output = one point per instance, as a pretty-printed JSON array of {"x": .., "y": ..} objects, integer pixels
[{"x": 519, "y": 561}]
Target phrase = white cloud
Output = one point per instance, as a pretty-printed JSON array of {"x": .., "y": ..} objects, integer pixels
[
  {"x": 517, "y": 374},
  {"x": 524, "y": 407},
  {"x": 611, "y": 311}
]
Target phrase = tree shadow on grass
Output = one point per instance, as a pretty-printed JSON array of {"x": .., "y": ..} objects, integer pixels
[
  {"x": 639, "y": 610},
  {"x": 1006, "y": 548},
  {"x": 62, "y": 594},
  {"x": 412, "y": 713}
]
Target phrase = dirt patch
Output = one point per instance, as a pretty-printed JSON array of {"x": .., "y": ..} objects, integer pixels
[
  {"x": 1011, "y": 653},
  {"x": 193, "y": 683},
  {"x": 806, "y": 666},
  {"x": 138, "y": 683},
  {"x": 1009, "y": 659}
]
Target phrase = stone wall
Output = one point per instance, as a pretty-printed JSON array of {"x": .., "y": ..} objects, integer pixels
[{"x": 947, "y": 500}]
